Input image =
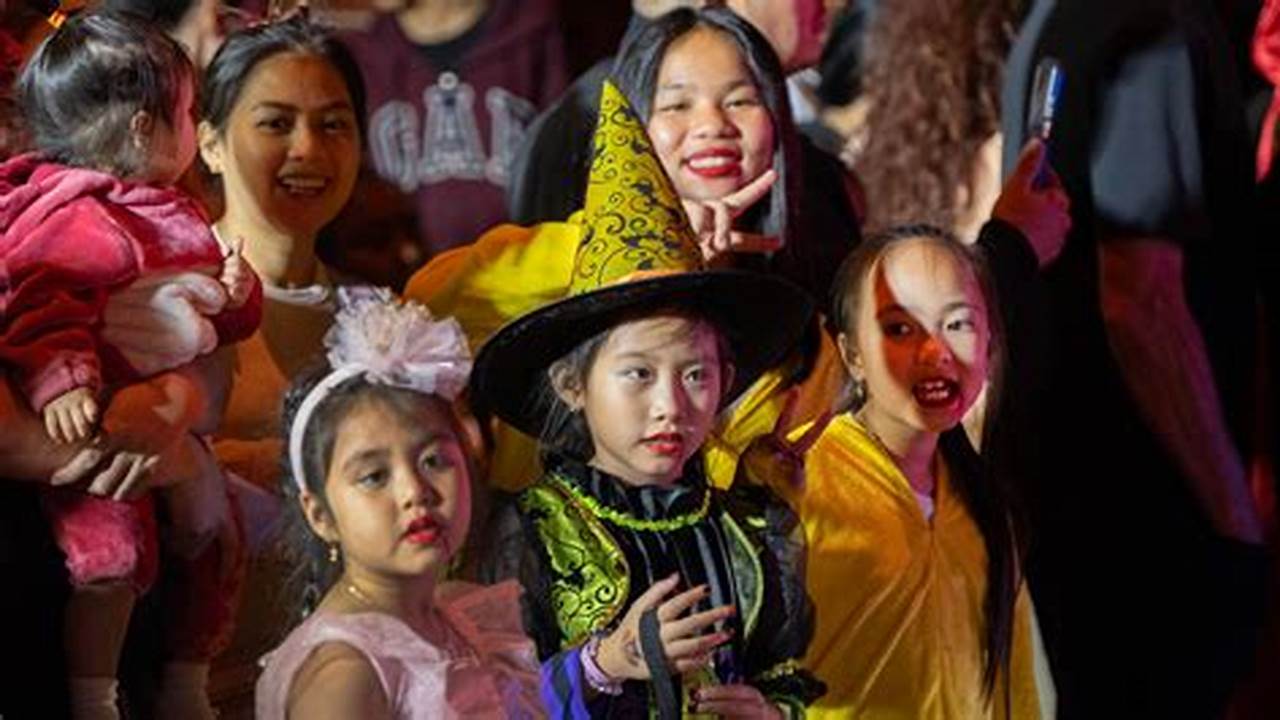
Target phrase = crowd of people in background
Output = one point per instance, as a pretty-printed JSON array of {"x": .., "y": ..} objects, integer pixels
[{"x": 685, "y": 358}]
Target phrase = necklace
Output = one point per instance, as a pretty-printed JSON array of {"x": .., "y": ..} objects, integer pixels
[
  {"x": 861, "y": 419},
  {"x": 357, "y": 593},
  {"x": 924, "y": 497},
  {"x": 622, "y": 519}
]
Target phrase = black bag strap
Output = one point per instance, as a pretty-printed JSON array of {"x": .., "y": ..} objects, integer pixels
[{"x": 663, "y": 683}]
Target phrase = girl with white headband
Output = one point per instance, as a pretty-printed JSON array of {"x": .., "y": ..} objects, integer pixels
[{"x": 379, "y": 491}]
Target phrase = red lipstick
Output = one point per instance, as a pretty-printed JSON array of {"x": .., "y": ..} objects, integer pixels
[
  {"x": 936, "y": 393},
  {"x": 423, "y": 531},
  {"x": 668, "y": 444},
  {"x": 715, "y": 163}
]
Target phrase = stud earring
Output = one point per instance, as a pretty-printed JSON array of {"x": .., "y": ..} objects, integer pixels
[
  {"x": 333, "y": 554},
  {"x": 858, "y": 392}
]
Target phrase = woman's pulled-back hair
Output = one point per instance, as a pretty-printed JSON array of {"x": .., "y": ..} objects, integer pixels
[
  {"x": 636, "y": 74},
  {"x": 986, "y": 496},
  {"x": 81, "y": 89},
  {"x": 245, "y": 49},
  {"x": 308, "y": 554}
]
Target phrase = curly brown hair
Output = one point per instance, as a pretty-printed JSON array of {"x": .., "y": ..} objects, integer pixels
[{"x": 932, "y": 80}]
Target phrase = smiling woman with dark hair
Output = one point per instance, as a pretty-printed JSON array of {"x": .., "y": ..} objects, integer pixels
[
  {"x": 815, "y": 227},
  {"x": 280, "y": 132},
  {"x": 737, "y": 110},
  {"x": 281, "y": 125}
]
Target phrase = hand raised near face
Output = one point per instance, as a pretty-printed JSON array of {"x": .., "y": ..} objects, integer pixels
[
  {"x": 1034, "y": 201},
  {"x": 712, "y": 221}
]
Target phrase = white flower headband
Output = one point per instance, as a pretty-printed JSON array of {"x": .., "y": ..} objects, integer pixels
[{"x": 389, "y": 342}]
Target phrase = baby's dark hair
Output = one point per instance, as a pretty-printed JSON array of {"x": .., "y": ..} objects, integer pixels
[
  {"x": 86, "y": 81},
  {"x": 244, "y": 50},
  {"x": 314, "y": 572},
  {"x": 565, "y": 432}
]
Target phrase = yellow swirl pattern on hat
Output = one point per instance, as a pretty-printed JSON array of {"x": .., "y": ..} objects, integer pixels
[{"x": 634, "y": 223}]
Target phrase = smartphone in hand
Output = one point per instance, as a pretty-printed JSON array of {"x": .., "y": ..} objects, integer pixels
[{"x": 1046, "y": 92}]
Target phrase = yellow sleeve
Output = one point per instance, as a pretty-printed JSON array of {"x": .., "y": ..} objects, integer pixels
[
  {"x": 505, "y": 273},
  {"x": 757, "y": 411}
]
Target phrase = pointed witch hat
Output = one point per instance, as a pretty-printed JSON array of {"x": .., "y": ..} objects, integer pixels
[{"x": 637, "y": 254}]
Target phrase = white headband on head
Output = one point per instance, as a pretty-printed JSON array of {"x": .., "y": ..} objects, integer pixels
[{"x": 389, "y": 342}]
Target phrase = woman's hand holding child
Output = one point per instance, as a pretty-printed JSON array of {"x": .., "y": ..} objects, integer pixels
[
  {"x": 142, "y": 425},
  {"x": 237, "y": 277}
]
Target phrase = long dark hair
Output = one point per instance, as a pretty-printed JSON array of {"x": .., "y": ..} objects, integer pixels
[
  {"x": 986, "y": 496},
  {"x": 243, "y": 50},
  {"x": 88, "y": 79},
  {"x": 636, "y": 73}
]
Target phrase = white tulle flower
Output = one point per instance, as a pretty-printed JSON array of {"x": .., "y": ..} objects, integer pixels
[{"x": 397, "y": 342}]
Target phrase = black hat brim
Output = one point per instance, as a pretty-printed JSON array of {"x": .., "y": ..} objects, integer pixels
[{"x": 762, "y": 317}]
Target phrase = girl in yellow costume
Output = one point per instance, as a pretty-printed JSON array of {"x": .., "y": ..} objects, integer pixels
[{"x": 913, "y": 564}]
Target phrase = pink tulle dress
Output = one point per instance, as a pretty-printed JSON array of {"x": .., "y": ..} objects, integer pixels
[{"x": 495, "y": 676}]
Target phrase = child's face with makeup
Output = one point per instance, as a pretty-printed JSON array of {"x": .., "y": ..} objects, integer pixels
[
  {"x": 921, "y": 339},
  {"x": 397, "y": 489},
  {"x": 651, "y": 396}
]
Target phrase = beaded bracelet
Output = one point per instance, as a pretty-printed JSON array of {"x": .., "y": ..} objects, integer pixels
[{"x": 598, "y": 679}]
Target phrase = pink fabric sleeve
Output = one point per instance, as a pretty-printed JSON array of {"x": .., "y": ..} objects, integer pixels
[
  {"x": 53, "y": 288},
  {"x": 51, "y": 347}
]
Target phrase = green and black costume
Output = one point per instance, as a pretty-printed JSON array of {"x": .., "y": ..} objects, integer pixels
[{"x": 585, "y": 545}]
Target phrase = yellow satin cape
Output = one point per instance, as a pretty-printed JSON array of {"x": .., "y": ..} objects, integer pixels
[{"x": 899, "y": 598}]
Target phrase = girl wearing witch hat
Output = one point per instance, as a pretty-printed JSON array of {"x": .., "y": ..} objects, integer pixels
[{"x": 647, "y": 589}]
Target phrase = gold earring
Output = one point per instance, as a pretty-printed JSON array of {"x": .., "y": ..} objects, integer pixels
[{"x": 333, "y": 554}]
